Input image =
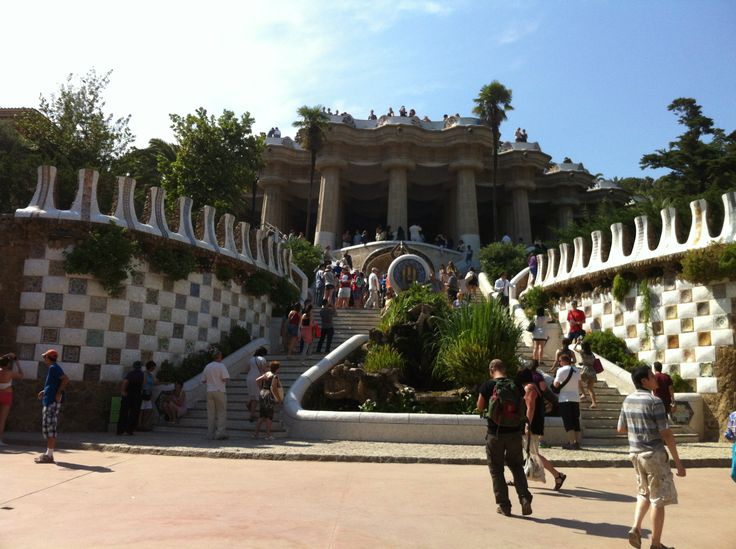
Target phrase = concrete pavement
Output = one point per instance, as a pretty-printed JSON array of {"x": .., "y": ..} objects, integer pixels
[{"x": 108, "y": 499}]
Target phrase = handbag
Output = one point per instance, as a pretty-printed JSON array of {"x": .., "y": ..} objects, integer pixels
[
  {"x": 533, "y": 468},
  {"x": 531, "y": 327},
  {"x": 316, "y": 332},
  {"x": 557, "y": 390},
  {"x": 277, "y": 390},
  {"x": 597, "y": 366}
]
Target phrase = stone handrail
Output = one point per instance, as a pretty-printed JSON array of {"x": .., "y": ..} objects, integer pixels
[
  {"x": 224, "y": 237},
  {"x": 608, "y": 252}
]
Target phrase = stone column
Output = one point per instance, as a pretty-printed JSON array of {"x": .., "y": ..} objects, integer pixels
[
  {"x": 272, "y": 211},
  {"x": 466, "y": 207},
  {"x": 522, "y": 223},
  {"x": 564, "y": 215},
  {"x": 329, "y": 202},
  {"x": 397, "y": 215}
]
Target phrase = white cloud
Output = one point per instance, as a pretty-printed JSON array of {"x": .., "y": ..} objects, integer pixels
[{"x": 517, "y": 31}]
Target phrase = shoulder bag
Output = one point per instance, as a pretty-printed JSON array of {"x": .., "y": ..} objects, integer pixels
[{"x": 557, "y": 390}]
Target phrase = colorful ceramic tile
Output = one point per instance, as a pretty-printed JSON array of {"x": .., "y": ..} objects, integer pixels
[
  {"x": 214, "y": 321},
  {"x": 669, "y": 282},
  {"x": 202, "y": 334},
  {"x": 216, "y": 295},
  {"x": 178, "y": 331},
  {"x": 721, "y": 322},
  {"x": 645, "y": 344},
  {"x": 688, "y": 355},
  {"x": 189, "y": 347},
  {"x": 194, "y": 289},
  {"x": 204, "y": 307},
  {"x": 98, "y": 304},
  {"x": 136, "y": 310},
  {"x": 631, "y": 331},
  {"x": 703, "y": 339},
  {"x": 37, "y": 251},
  {"x": 149, "y": 327},
  {"x": 607, "y": 308},
  {"x": 29, "y": 318},
  {"x": 207, "y": 279},
  {"x": 719, "y": 291},
  {"x": 70, "y": 353},
  {"x": 670, "y": 312},
  {"x": 673, "y": 341},
  {"x": 132, "y": 341},
  {"x": 27, "y": 351},
  {"x": 166, "y": 314},
  {"x": 95, "y": 338},
  {"x": 180, "y": 301},
  {"x": 706, "y": 369},
  {"x": 163, "y": 344},
  {"x": 168, "y": 285},
  {"x": 192, "y": 318},
  {"x": 78, "y": 286},
  {"x": 241, "y": 315},
  {"x": 54, "y": 302},
  {"x": 91, "y": 372},
  {"x": 151, "y": 296},
  {"x": 117, "y": 323},
  {"x": 56, "y": 268},
  {"x": 686, "y": 296},
  {"x": 686, "y": 325},
  {"x": 703, "y": 308},
  {"x": 112, "y": 356},
  {"x": 630, "y": 303},
  {"x": 225, "y": 310},
  {"x": 146, "y": 356},
  {"x": 50, "y": 335},
  {"x": 32, "y": 283},
  {"x": 618, "y": 319},
  {"x": 138, "y": 278}
]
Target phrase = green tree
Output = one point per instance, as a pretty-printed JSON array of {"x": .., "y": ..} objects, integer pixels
[
  {"x": 217, "y": 160},
  {"x": 492, "y": 104},
  {"x": 147, "y": 166},
  {"x": 18, "y": 163},
  {"x": 306, "y": 256},
  {"x": 497, "y": 257},
  {"x": 71, "y": 131},
  {"x": 311, "y": 136}
]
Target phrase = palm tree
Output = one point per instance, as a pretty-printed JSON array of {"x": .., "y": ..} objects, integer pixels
[
  {"x": 311, "y": 136},
  {"x": 492, "y": 104}
]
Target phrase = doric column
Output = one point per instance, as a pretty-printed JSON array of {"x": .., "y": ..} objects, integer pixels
[
  {"x": 272, "y": 211},
  {"x": 466, "y": 214},
  {"x": 522, "y": 223},
  {"x": 329, "y": 202},
  {"x": 397, "y": 215},
  {"x": 564, "y": 215}
]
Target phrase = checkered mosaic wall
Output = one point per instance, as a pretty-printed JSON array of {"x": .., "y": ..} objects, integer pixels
[
  {"x": 155, "y": 318},
  {"x": 687, "y": 323}
]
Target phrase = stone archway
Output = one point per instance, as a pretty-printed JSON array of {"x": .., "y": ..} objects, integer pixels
[{"x": 383, "y": 257}]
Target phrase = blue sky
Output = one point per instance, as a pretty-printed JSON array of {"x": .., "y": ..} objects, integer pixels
[{"x": 591, "y": 79}]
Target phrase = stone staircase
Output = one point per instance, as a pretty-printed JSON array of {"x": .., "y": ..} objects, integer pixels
[
  {"x": 347, "y": 323},
  {"x": 599, "y": 424}
]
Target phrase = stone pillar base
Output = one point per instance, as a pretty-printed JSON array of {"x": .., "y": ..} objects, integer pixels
[{"x": 324, "y": 239}]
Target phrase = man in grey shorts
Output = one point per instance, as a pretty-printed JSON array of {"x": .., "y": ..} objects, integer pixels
[{"x": 644, "y": 418}]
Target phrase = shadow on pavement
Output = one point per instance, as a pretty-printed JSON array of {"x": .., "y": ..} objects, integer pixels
[
  {"x": 80, "y": 467},
  {"x": 588, "y": 493},
  {"x": 600, "y": 529}
]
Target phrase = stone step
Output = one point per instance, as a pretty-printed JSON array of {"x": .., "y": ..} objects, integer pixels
[
  {"x": 232, "y": 424},
  {"x": 276, "y": 430}
]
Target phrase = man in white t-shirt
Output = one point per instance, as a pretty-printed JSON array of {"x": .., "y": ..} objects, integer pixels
[
  {"x": 415, "y": 233},
  {"x": 566, "y": 380},
  {"x": 216, "y": 376},
  {"x": 502, "y": 288},
  {"x": 374, "y": 300}
]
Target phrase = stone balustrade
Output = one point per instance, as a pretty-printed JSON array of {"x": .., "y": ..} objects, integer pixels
[
  {"x": 222, "y": 237},
  {"x": 615, "y": 250}
]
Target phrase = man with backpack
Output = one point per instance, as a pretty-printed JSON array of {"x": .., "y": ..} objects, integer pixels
[{"x": 502, "y": 399}]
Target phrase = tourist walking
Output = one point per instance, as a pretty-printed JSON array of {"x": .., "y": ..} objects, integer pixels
[
  {"x": 272, "y": 393},
  {"x": 502, "y": 288},
  {"x": 329, "y": 277},
  {"x": 566, "y": 386},
  {"x": 130, "y": 400},
  {"x": 9, "y": 370},
  {"x": 588, "y": 376},
  {"x": 145, "y": 421},
  {"x": 52, "y": 397},
  {"x": 326, "y": 315},
  {"x": 216, "y": 376},
  {"x": 319, "y": 284},
  {"x": 644, "y": 418},
  {"x": 373, "y": 290},
  {"x": 343, "y": 294},
  {"x": 292, "y": 328},
  {"x": 665, "y": 388},
  {"x": 502, "y": 398},
  {"x": 307, "y": 330},
  {"x": 576, "y": 320},
  {"x": 256, "y": 368},
  {"x": 540, "y": 335},
  {"x": 534, "y": 429},
  {"x": 452, "y": 285},
  {"x": 564, "y": 350}
]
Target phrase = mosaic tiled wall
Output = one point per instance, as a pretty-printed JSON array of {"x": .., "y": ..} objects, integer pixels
[
  {"x": 687, "y": 323},
  {"x": 98, "y": 336}
]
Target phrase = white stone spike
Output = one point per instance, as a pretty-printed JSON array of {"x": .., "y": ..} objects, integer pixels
[
  {"x": 596, "y": 251},
  {"x": 209, "y": 236},
  {"x": 157, "y": 216},
  {"x": 699, "y": 235},
  {"x": 565, "y": 268},
  {"x": 125, "y": 214},
  {"x": 228, "y": 247},
  {"x": 641, "y": 248},
  {"x": 259, "y": 249},
  {"x": 43, "y": 203},
  {"x": 668, "y": 243},
  {"x": 728, "y": 233},
  {"x": 186, "y": 229}
]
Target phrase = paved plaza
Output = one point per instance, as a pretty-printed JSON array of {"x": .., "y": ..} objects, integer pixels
[{"x": 112, "y": 499}]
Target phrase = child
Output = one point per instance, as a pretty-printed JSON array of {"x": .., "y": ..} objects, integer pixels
[{"x": 730, "y": 435}]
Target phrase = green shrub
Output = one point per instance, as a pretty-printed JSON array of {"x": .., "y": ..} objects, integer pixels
[
  {"x": 224, "y": 273},
  {"x": 621, "y": 287},
  {"x": 175, "y": 263},
  {"x": 613, "y": 348},
  {"x": 306, "y": 256},
  {"x": 380, "y": 357},
  {"x": 107, "y": 254},
  {"x": 646, "y": 304},
  {"x": 534, "y": 299},
  {"x": 499, "y": 257},
  {"x": 715, "y": 262},
  {"x": 283, "y": 294},
  {"x": 470, "y": 337},
  {"x": 680, "y": 385},
  {"x": 258, "y": 283},
  {"x": 398, "y": 310},
  {"x": 237, "y": 338}
]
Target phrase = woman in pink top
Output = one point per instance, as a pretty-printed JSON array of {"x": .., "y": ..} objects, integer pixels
[
  {"x": 7, "y": 374},
  {"x": 307, "y": 325}
]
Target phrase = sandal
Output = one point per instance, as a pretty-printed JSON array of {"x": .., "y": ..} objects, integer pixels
[
  {"x": 559, "y": 481},
  {"x": 635, "y": 538}
]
